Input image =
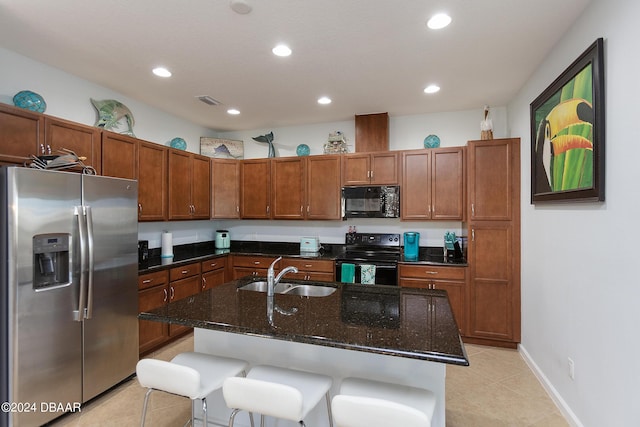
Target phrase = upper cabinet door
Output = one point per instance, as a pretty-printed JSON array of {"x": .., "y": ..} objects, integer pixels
[
  {"x": 384, "y": 168},
  {"x": 287, "y": 188},
  {"x": 152, "y": 182},
  {"x": 492, "y": 166},
  {"x": 415, "y": 194},
  {"x": 255, "y": 188},
  {"x": 119, "y": 155},
  {"x": 200, "y": 187},
  {"x": 21, "y": 134},
  {"x": 83, "y": 140},
  {"x": 323, "y": 187},
  {"x": 225, "y": 188},
  {"x": 356, "y": 169},
  {"x": 447, "y": 183},
  {"x": 179, "y": 185}
]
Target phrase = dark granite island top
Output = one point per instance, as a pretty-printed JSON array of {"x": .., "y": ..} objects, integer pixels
[{"x": 388, "y": 320}]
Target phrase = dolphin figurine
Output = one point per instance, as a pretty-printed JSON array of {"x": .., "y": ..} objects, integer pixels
[{"x": 110, "y": 112}]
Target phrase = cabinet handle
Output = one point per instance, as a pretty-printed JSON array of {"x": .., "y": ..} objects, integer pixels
[
  {"x": 429, "y": 209},
  {"x": 431, "y": 272},
  {"x": 140, "y": 207},
  {"x": 256, "y": 262},
  {"x": 42, "y": 149},
  {"x": 308, "y": 265},
  {"x": 371, "y": 174},
  {"x": 165, "y": 295},
  {"x": 473, "y": 234},
  {"x": 213, "y": 264},
  {"x": 301, "y": 209},
  {"x": 173, "y": 293},
  {"x": 184, "y": 271},
  {"x": 48, "y": 149},
  {"x": 473, "y": 210},
  {"x": 308, "y": 208},
  {"x": 267, "y": 210},
  {"x": 237, "y": 209},
  {"x": 144, "y": 282},
  {"x": 204, "y": 282}
]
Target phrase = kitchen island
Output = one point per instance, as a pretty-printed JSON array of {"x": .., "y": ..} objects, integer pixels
[{"x": 384, "y": 333}]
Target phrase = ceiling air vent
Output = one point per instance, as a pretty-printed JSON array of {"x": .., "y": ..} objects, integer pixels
[{"x": 208, "y": 100}]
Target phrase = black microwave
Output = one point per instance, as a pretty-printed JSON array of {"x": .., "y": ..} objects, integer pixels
[{"x": 371, "y": 202}]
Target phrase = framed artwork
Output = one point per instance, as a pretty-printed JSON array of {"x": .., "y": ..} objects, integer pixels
[
  {"x": 221, "y": 148},
  {"x": 567, "y": 133}
]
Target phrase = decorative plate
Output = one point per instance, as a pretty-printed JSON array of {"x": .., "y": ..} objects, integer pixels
[
  {"x": 29, "y": 101},
  {"x": 178, "y": 143},
  {"x": 432, "y": 141},
  {"x": 303, "y": 150}
]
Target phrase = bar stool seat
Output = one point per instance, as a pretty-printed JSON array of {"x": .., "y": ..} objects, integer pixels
[
  {"x": 193, "y": 375},
  {"x": 277, "y": 392},
  {"x": 366, "y": 403}
]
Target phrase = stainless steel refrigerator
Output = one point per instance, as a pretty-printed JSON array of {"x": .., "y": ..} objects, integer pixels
[{"x": 68, "y": 296}]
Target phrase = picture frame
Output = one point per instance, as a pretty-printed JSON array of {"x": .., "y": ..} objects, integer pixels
[
  {"x": 220, "y": 148},
  {"x": 568, "y": 133}
]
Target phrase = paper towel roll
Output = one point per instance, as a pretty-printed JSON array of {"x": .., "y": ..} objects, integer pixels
[{"x": 167, "y": 245}]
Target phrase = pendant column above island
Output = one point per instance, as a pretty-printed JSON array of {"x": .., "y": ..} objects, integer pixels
[{"x": 385, "y": 333}]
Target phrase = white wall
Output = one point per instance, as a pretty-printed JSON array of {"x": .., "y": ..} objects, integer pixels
[
  {"x": 580, "y": 291},
  {"x": 67, "y": 97}
]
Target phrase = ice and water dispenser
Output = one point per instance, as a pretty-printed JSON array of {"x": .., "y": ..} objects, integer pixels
[{"x": 51, "y": 266}]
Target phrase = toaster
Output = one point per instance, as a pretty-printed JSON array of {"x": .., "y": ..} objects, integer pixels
[{"x": 309, "y": 244}]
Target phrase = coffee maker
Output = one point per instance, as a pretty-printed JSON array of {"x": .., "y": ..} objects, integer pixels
[{"x": 411, "y": 245}]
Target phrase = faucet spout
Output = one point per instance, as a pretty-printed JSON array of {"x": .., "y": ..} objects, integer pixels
[{"x": 272, "y": 281}]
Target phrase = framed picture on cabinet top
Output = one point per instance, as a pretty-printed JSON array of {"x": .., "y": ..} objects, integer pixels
[
  {"x": 221, "y": 148},
  {"x": 567, "y": 133}
]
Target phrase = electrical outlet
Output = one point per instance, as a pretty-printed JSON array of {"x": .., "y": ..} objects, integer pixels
[{"x": 572, "y": 368}]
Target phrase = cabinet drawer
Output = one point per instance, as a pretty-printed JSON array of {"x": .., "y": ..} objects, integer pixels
[
  {"x": 152, "y": 279},
  {"x": 189, "y": 270},
  {"x": 431, "y": 272},
  {"x": 213, "y": 264},
  {"x": 252, "y": 261},
  {"x": 322, "y": 266}
]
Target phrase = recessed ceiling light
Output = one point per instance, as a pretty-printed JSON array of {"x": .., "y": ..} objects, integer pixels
[
  {"x": 281, "y": 50},
  {"x": 240, "y": 6},
  {"x": 431, "y": 89},
  {"x": 161, "y": 72},
  {"x": 439, "y": 21},
  {"x": 324, "y": 100},
  {"x": 233, "y": 111}
]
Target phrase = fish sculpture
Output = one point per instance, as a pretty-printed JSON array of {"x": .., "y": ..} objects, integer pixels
[
  {"x": 268, "y": 139},
  {"x": 110, "y": 112}
]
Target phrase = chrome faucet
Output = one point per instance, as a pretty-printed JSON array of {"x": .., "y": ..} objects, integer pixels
[{"x": 272, "y": 281}]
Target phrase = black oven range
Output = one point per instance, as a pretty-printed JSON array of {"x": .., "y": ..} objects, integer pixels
[{"x": 363, "y": 250}]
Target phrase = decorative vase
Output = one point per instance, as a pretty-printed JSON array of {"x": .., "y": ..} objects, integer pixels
[
  {"x": 29, "y": 101},
  {"x": 303, "y": 150},
  {"x": 432, "y": 141},
  {"x": 178, "y": 143}
]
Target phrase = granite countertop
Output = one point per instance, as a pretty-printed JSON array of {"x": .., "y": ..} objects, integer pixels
[
  {"x": 185, "y": 254},
  {"x": 403, "y": 322}
]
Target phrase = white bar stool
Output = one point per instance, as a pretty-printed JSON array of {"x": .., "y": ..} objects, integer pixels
[
  {"x": 277, "y": 392},
  {"x": 365, "y": 403},
  {"x": 190, "y": 374}
]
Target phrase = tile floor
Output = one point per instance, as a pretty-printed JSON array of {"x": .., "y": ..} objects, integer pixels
[{"x": 497, "y": 390}]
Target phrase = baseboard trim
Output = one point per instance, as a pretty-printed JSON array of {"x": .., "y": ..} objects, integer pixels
[{"x": 564, "y": 409}]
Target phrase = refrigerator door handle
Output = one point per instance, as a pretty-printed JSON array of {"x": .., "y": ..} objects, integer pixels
[
  {"x": 79, "y": 213},
  {"x": 89, "y": 308}
]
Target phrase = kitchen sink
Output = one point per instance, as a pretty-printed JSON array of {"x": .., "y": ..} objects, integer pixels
[{"x": 291, "y": 289}]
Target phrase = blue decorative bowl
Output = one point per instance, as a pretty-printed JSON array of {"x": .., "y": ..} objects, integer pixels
[
  {"x": 303, "y": 150},
  {"x": 432, "y": 141},
  {"x": 29, "y": 101},
  {"x": 178, "y": 143}
]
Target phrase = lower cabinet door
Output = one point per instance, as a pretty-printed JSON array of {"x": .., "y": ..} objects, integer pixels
[
  {"x": 152, "y": 334},
  {"x": 182, "y": 289}
]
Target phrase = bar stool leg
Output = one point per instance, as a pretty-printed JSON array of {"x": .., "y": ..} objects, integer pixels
[
  {"x": 144, "y": 407},
  {"x": 328, "y": 399}
]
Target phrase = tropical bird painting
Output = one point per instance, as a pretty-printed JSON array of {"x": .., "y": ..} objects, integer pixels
[{"x": 564, "y": 138}]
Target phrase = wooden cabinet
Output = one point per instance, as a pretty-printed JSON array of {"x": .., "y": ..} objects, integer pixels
[
  {"x": 184, "y": 282},
  {"x": 189, "y": 191},
  {"x": 119, "y": 155},
  {"x": 494, "y": 241},
  {"x": 433, "y": 184},
  {"x": 306, "y": 188},
  {"x": 311, "y": 269},
  {"x": 152, "y": 164},
  {"x": 252, "y": 266},
  {"x": 153, "y": 292},
  {"x": 288, "y": 188},
  {"x": 370, "y": 169},
  {"x": 82, "y": 140},
  {"x": 213, "y": 273},
  {"x": 450, "y": 279},
  {"x": 21, "y": 134},
  {"x": 255, "y": 188},
  {"x": 372, "y": 132},
  {"x": 323, "y": 187},
  {"x": 225, "y": 188}
]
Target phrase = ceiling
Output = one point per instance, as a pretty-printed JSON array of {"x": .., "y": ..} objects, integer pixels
[{"x": 366, "y": 55}]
